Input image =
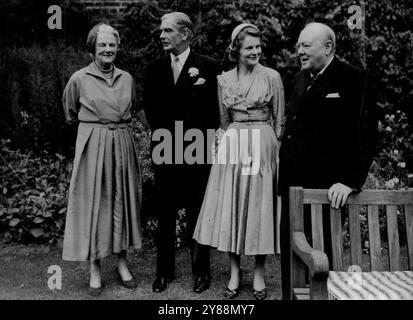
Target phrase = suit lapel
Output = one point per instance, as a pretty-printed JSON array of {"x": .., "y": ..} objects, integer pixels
[
  {"x": 299, "y": 93},
  {"x": 303, "y": 98},
  {"x": 166, "y": 68},
  {"x": 324, "y": 83}
]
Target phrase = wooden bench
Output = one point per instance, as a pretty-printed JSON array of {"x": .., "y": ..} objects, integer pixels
[{"x": 339, "y": 283}]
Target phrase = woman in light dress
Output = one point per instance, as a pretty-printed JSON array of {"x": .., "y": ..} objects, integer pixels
[
  {"x": 238, "y": 211},
  {"x": 103, "y": 215}
]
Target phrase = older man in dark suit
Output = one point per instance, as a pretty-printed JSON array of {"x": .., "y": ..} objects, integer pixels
[
  {"x": 330, "y": 131},
  {"x": 180, "y": 93}
]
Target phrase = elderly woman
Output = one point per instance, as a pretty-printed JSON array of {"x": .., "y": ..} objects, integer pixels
[
  {"x": 237, "y": 215},
  {"x": 103, "y": 215}
]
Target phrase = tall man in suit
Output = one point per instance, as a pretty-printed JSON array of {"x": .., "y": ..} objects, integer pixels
[
  {"x": 329, "y": 138},
  {"x": 180, "y": 93}
]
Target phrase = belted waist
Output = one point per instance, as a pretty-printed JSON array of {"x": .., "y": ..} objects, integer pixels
[
  {"x": 252, "y": 122},
  {"x": 108, "y": 124}
]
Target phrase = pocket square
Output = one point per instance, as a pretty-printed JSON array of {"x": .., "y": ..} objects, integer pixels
[
  {"x": 333, "y": 95},
  {"x": 199, "y": 81}
]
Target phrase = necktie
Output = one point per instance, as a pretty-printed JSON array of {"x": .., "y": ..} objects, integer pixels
[
  {"x": 175, "y": 68},
  {"x": 311, "y": 81}
]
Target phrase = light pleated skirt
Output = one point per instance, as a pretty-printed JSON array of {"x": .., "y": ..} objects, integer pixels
[
  {"x": 105, "y": 195},
  {"x": 238, "y": 213}
]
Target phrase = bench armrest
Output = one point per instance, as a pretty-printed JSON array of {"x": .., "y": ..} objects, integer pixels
[{"x": 315, "y": 260}]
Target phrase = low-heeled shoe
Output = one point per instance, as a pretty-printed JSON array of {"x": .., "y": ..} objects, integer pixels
[
  {"x": 260, "y": 294},
  {"x": 128, "y": 284},
  {"x": 230, "y": 294},
  {"x": 95, "y": 292}
]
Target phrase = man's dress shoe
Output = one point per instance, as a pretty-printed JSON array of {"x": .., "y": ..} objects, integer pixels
[
  {"x": 202, "y": 283},
  {"x": 160, "y": 284}
]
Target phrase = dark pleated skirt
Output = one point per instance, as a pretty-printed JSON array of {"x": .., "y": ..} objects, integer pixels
[{"x": 105, "y": 195}]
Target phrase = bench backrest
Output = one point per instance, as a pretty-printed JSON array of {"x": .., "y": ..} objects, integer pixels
[{"x": 375, "y": 200}]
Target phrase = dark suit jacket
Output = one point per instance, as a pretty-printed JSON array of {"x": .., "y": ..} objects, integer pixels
[
  {"x": 195, "y": 105},
  {"x": 330, "y": 129}
]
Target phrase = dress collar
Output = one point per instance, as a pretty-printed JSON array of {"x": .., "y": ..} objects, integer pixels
[{"x": 93, "y": 70}]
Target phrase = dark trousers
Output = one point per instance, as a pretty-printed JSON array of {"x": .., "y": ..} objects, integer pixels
[
  {"x": 179, "y": 187},
  {"x": 285, "y": 240}
]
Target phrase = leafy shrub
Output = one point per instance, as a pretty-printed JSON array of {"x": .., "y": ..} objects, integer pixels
[
  {"x": 33, "y": 195},
  {"x": 34, "y": 189}
]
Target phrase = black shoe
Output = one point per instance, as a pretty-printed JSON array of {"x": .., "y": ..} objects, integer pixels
[
  {"x": 260, "y": 294},
  {"x": 161, "y": 283},
  {"x": 202, "y": 283},
  {"x": 95, "y": 292},
  {"x": 128, "y": 284},
  {"x": 230, "y": 294}
]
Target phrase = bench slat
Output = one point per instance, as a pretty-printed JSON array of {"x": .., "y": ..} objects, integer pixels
[
  {"x": 297, "y": 274},
  {"x": 374, "y": 237},
  {"x": 317, "y": 226},
  {"x": 355, "y": 236},
  {"x": 302, "y": 293},
  {"x": 384, "y": 197},
  {"x": 393, "y": 238},
  {"x": 408, "y": 211},
  {"x": 374, "y": 199},
  {"x": 336, "y": 239}
]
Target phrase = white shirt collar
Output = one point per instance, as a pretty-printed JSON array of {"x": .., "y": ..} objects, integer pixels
[
  {"x": 182, "y": 57},
  {"x": 325, "y": 67}
]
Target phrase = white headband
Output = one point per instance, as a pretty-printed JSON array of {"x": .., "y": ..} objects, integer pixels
[{"x": 237, "y": 30}]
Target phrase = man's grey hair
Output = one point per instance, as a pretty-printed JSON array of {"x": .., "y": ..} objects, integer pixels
[
  {"x": 182, "y": 22},
  {"x": 328, "y": 32}
]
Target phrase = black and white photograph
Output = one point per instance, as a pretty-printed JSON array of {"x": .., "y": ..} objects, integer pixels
[{"x": 207, "y": 157}]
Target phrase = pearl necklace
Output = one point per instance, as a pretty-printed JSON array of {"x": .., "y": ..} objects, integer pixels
[{"x": 107, "y": 74}]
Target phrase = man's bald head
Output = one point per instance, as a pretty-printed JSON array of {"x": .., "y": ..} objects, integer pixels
[
  {"x": 316, "y": 45},
  {"x": 321, "y": 31}
]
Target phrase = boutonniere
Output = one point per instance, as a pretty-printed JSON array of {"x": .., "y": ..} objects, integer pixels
[
  {"x": 199, "y": 81},
  {"x": 193, "y": 72}
]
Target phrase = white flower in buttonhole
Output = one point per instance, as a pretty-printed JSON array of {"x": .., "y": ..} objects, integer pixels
[
  {"x": 402, "y": 164},
  {"x": 193, "y": 72}
]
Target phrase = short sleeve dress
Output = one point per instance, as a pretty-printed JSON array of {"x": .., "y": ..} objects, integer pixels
[
  {"x": 239, "y": 206},
  {"x": 105, "y": 194}
]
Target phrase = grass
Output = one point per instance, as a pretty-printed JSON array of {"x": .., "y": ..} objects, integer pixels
[{"x": 24, "y": 275}]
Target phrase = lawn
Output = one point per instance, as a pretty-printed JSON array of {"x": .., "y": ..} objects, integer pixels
[{"x": 24, "y": 275}]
